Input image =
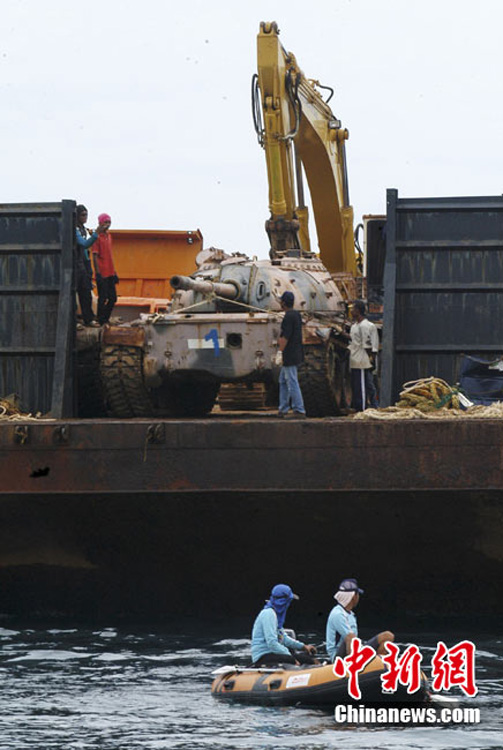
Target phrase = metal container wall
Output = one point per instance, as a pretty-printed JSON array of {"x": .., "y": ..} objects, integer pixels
[
  {"x": 374, "y": 257},
  {"x": 37, "y": 305},
  {"x": 145, "y": 259},
  {"x": 443, "y": 287}
]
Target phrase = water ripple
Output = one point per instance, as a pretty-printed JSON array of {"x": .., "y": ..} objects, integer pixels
[{"x": 108, "y": 689}]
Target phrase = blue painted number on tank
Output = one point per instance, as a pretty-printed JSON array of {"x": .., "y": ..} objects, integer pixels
[{"x": 213, "y": 336}]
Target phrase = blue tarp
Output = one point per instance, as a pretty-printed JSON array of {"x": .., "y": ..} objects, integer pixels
[{"x": 479, "y": 382}]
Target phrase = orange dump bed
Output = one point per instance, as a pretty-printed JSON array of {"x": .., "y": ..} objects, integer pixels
[{"x": 145, "y": 260}]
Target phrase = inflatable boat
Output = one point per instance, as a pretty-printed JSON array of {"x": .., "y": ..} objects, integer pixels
[{"x": 313, "y": 685}]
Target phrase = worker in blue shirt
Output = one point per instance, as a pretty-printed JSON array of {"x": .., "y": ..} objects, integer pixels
[
  {"x": 83, "y": 268},
  {"x": 270, "y": 644},
  {"x": 342, "y": 626}
]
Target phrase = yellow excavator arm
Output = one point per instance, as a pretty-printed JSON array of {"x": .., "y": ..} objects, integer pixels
[{"x": 296, "y": 126}]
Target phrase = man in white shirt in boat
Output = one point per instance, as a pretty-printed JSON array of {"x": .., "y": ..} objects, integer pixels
[{"x": 342, "y": 626}]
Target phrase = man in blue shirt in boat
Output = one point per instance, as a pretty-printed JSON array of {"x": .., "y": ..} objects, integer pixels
[
  {"x": 270, "y": 644},
  {"x": 342, "y": 626}
]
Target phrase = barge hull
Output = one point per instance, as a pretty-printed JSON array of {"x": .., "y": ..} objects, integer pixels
[
  {"x": 330, "y": 455},
  {"x": 164, "y": 518}
]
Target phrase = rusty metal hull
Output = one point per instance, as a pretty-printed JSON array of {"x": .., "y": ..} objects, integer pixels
[
  {"x": 152, "y": 519},
  {"x": 330, "y": 455}
]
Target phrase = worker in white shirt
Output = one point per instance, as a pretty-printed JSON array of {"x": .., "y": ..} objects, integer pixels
[{"x": 363, "y": 350}]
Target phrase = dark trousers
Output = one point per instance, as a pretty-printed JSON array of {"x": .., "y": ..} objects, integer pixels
[
  {"x": 342, "y": 650},
  {"x": 372, "y": 399},
  {"x": 364, "y": 389},
  {"x": 84, "y": 286},
  {"x": 107, "y": 297},
  {"x": 273, "y": 659}
]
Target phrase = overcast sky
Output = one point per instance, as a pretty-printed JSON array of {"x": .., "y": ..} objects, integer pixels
[{"x": 142, "y": 109}]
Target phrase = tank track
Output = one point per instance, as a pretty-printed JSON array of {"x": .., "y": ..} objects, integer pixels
[
  {"x": 121, "y": 372},
  {"x": 317, "y": 382},
  {"x": 90, "y": 395}
]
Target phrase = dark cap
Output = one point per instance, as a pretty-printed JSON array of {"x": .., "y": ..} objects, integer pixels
[
  {"x": 287, "y": 298},
  {"x": 350, "y": 584}
]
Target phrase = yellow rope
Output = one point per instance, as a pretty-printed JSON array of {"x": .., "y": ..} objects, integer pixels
[
  {"x": 9, "y": 413},
  {"x": 430, "y": 398},
  {"x": 208, "y": 298},
  {"x": 428, "y": 394},
  {"x": 495, "y": 411}
]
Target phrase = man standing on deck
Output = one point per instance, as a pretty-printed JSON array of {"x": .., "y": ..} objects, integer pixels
[
  {"x": 83, "y": 268},
  {"x": 290, "y": 345},
  {"x": 363, "y": 351},
  {"x": 106, "y": 277}
]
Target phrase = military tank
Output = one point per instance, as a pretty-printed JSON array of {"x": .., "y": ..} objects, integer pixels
[
  {"x": 224, "y": 322},
  {"x": 223, "y": 327}
]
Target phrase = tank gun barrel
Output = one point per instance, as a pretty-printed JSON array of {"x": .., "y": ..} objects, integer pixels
[{"x": 222, "y": 289}]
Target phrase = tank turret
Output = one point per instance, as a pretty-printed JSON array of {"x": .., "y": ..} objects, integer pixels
[{"x": 229, "y": 290}]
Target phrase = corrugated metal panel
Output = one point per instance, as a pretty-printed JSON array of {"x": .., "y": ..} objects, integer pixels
[
  {"x": 443, "y": 287},
  {"x": 37, "y": 305}
]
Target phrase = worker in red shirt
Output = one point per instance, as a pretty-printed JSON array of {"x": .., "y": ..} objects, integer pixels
[{"x": 106, "y": 278}]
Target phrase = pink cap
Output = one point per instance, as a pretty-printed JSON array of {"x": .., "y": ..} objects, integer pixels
[{"x": 103, "y": 217}]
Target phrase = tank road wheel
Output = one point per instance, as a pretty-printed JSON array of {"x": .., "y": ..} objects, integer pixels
[
  {"x": 322, "y": 380},
  {"x": 315, "y": 384},
  {"x": 125, "y": 393},
  {"x": 339, "y": 375},
  {"x": 191, "y": 398}
]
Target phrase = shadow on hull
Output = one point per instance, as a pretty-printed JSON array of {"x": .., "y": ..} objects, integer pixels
[{"x": 213, "y": 555}]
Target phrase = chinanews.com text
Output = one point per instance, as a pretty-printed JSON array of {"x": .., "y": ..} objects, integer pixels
[{"x": 350, "y": 714}]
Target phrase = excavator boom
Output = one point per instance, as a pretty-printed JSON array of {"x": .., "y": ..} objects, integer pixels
[{"x": 299, "y": 128}]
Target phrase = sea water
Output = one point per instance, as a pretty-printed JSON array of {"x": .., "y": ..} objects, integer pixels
[{"x": 131, "y": 688}]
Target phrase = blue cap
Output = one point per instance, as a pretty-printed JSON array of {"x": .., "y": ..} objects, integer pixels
[
  {"x": 282, "y": 591},
  {"x": 288, "y": 298},
  {"x": 350, "y": 584}
]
